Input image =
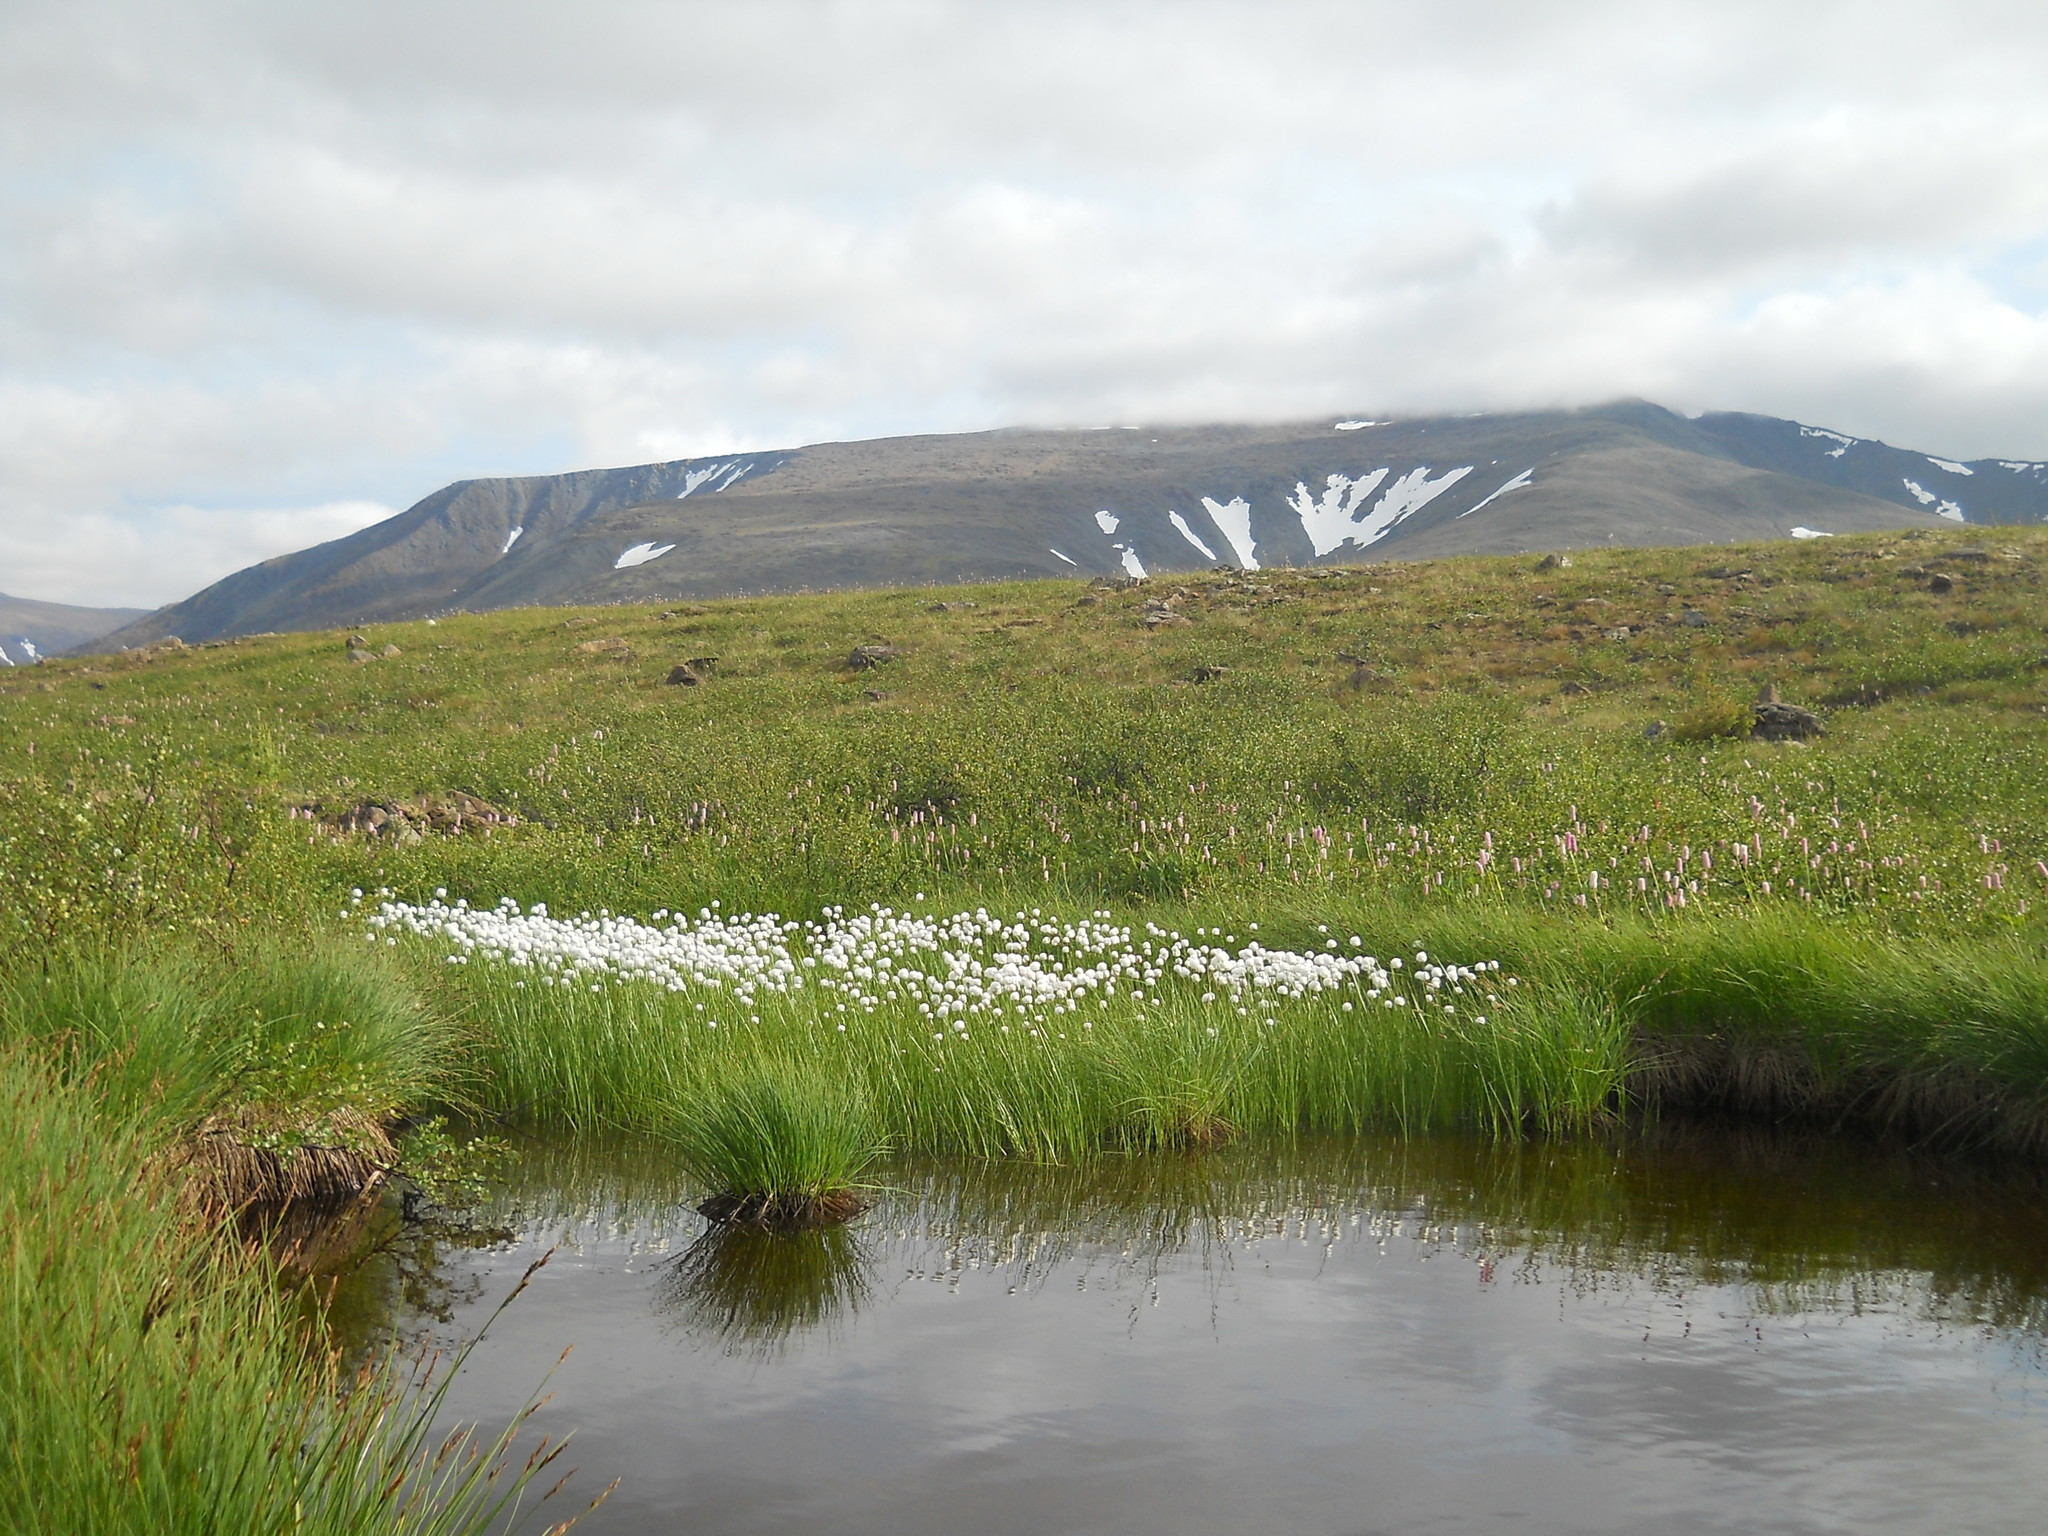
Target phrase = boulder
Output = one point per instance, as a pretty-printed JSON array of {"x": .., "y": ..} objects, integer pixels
[
  {"x": 1777, "y": 721},
  {"x": 866, "y": 658}
]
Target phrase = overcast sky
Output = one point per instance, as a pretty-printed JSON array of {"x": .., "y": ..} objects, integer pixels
[{"x": 270, "y": 271}]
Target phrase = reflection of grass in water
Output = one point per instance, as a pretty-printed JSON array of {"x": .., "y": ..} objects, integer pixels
[{"x": 753, "y": 1288}]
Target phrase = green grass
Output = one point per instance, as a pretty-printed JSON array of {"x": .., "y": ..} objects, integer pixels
[
  {"x": 781, "y": 1139},
  {"x": 158, "y": 1379},
  {"x": 1454, "y": 755}
]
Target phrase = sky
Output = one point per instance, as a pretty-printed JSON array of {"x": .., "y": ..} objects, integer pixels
[{"x": 271, "y": 271}]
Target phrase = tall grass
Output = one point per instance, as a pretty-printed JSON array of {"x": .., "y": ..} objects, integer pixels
[
  {"x": 1176, "y": 1072},
  {"x": 155, "y": 1378},
  {"x": 780, "y": 1141}
]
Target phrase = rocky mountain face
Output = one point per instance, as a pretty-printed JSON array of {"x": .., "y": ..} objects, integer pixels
[
  {"x": 1125, "y": 501},
  {"x": 29, "y": 629}
]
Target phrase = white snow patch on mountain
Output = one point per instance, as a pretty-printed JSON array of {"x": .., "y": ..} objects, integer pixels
[
  {"x": 1520, "y": 482},
  {"x": 1951, "y": 511},
  {"x": 1810, "y": 533},
  {"x": 1332, "y": 521},
  {"x": 2020, "y": 466},
  {"x": 1107, "y": 520},
  {"x": 1189, "y": 534},
  {"x": 1353, "y": 426},
  {"x": 732, "y": 469},
  {"x": 640, "y": 554},
  {"x": 1068, "y": 558},
  {"x": 1327, "y": 521},
  {"x": 511, "y": 539},
  {"x": 28, "y": 648},
  {"x": 1132, "y": 563},
  {"x": 1920, "y": 493},
  {"x": 1951, "y": 466},
  {"x": 1834, "y": 437},
  {"x": 5, "y": 657},
  {"x": 1233, "y": 519}
]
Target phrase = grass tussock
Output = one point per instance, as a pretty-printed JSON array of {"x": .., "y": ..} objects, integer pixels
[{"x": 781, "y": 1143}]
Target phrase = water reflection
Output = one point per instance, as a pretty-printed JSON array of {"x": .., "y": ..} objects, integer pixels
[{"x": 753, "y": 1289}]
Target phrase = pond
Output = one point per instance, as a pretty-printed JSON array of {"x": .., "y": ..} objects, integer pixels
[{"x": 1691, "y": 1329}]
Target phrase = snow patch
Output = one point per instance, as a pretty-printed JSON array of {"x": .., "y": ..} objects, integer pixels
[
  {"x": 1332, "y": 521},
  {"x": 640, "y": 554},
  {"x": 1132, "y": 564},
  {"x": 1519, "y": 483},
  {"x": 2020, "y": 466},
  {"x": 511, "y": 539},
  {"x": 733, "y": 470},
  {"x": 1068, "y": 558},
  {"x": 1107, "y": 520},
  {"x": 1834, "y": 437},
  {"x": 1951, "y": 466},
  {"x": 1189, "y": 534},
  {"x": 1353, "y": 426},
  {"x": 1233, "y": 519},
  {"x": 1951, "y": 511},
  {"x": 28, "y": 648},
  {"x": 1810, "y": 533},
  {"x": 5, "y": 657},
  {"x": 1920, "y": 493}
]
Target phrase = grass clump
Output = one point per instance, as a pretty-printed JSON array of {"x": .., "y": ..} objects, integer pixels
[{"x": 781, "y": 1143}]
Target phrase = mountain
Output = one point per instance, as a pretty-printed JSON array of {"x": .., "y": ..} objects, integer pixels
[
  {"x": 29, "y": 629},
  {"x": 1023, "y": 503}
]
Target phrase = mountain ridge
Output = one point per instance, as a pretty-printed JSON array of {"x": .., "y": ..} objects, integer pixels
[{"x": 1022, "y": 502}]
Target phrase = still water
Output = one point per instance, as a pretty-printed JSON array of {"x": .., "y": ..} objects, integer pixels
[{"x": 1695, "y": 1330}]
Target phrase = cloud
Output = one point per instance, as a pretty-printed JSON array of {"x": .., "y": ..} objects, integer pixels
[{"x": 276, "y": 257}]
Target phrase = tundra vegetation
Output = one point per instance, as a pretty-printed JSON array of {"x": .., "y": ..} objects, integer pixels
[{"x": 1043, "y": 871}]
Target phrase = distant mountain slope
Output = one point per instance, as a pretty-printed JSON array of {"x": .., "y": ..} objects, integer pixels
[
  {"x": 900, "y": 511},
  {"x": 29, "y": 629}
]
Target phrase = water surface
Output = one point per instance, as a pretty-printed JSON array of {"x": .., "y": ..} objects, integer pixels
[{"x": 1698, "y": 1330}]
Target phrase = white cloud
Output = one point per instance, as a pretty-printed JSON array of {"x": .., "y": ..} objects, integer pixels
[{"x": 254, "y": 255}]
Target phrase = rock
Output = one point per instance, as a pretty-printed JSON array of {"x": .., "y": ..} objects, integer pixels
[
  {"x": 704, "y": 665},
  {"x": 1785, "y": 722},
  {"x": 1210, "y": 674},
  {"x": 1692, "y": 618},
  {"x": 1619, "y": 632},
  {"x": 866, "y": 658},
  {"x": 1974, "y": 555},
  {"x": 1768, "y": 694},
  {"x": 356, "y": 643},
  {"x": 1665, "y": 589},
  {"x": 1573, "y": 690},
  {"x": 356, "y": 655},
  {"x": 390, "y": 651},
  {"x": 1157, "y": 616},
  {"x": 1554, "y": 563},
  {"x": 1654, "y": 730},
  {"x": 683, "y": 675},
  {"x": 953, "y": 607},
  {"x": 873, "y": 695},
  {"x": 1939, "y": 582}
]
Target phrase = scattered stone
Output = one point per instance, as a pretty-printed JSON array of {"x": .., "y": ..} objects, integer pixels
[
  {"x": 357, "y": 643},
  {"x": 1667, "y": 590},
  {"x": 1619, "y": 632},
  {"x": 1692, "y": 618},
  {"x": 873, "y": 695},
  {"x": 1210, "y": 674},
  {"x": 1159, "y": 613},
  {"x": 1573, "y": 690},
  {"x": 1939, "y": 582},
  {"x": 683, "y": 675},
  {"x": 1554, "y": 563},
  {"x": 1778, "y": 721},
  {"x": 408, "y": 821},
  {"x": 390, "y": 651},
  {"x": 359, "y": 655},
  {"x": 866, "y": 658},
  {"x": 1654, "y": 730},
  {"x": 953, "y": 607}
]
